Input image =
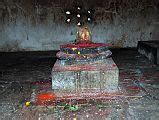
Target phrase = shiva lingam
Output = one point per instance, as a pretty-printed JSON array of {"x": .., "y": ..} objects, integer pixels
[
  {"x": 84, "y": 68},
  {"x": 83, "y": 50},
  {"x": 83, "y": 35}
]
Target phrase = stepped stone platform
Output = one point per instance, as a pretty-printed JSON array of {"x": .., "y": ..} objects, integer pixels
[
  {"x": 95, "y": 77},
  {"x": 150, "y": 49}
]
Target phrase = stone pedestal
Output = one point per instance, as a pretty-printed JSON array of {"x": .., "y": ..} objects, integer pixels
[
  {"x": 150, "y": 49},
  {"x": 88, "y": 78}
]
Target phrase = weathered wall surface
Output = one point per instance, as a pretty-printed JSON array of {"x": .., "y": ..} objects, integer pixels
[{"x": 28, "y": 25}]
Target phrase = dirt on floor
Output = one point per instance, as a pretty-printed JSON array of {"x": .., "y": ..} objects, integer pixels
[{"x": 18, "y": 72}]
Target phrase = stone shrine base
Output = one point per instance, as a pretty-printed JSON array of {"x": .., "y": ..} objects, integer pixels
[{"x": 85, "y": 79}]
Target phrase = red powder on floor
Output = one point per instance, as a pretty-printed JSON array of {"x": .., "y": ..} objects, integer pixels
[{"x": 45, "y": 97}]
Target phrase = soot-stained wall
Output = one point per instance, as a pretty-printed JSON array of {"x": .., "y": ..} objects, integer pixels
[{"x": 28, "y": 25}]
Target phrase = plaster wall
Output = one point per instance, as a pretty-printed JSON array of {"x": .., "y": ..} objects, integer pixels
[{"x": 29, "y": 25}]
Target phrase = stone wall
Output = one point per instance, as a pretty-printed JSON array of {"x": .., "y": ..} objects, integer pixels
[{"x": 35, "y": 25}]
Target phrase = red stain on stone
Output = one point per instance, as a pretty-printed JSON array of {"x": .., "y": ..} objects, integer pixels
[{"x": 114, "y": 65}]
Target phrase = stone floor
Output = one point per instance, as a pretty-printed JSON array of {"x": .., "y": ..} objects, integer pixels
[{"x": 138, "y": 77}]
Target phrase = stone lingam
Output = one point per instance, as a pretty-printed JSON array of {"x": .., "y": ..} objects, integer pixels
[{"x": 84, "y": 69}]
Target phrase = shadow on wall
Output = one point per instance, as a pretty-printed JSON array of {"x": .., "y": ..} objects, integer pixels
[{"x": 155, "y": 32}]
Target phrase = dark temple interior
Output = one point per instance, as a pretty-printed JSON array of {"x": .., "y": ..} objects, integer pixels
[{"x": 32, "y": 33}]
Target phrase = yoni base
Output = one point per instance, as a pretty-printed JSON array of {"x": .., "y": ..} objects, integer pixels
[{"x": 100, "y": 76}]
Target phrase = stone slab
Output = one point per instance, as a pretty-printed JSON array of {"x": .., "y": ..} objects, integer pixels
[
  {"x": 101, "y": 76},
  {"x": 149, "y": 49}
]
